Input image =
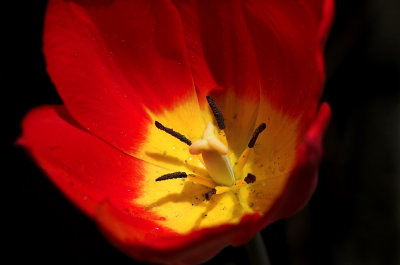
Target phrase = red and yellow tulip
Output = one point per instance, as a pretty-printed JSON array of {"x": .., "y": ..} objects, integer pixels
[{"x": 122, "y": 67}]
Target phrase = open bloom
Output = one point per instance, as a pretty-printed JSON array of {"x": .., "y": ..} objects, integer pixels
[{"x": 187, "y": 125}]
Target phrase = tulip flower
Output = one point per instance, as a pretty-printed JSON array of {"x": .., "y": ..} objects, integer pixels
[{"x": 187, "y": 126}]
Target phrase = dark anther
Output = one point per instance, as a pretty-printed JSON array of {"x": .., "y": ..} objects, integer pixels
[
  {"x": 250, "y": 178},
  {"x": 217, "y": 113},
  {"x": 175, "y": 175},
  {"x": 210, "y": 193},
  {"x": 177, "y": 135},
  {"x": 259, "y": 129}
]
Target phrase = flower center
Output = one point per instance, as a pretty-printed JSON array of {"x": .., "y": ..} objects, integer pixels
[{"x": 212, "y": 150}]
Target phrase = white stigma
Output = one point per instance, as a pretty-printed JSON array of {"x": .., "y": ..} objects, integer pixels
[{"x": 214, "y": 156}]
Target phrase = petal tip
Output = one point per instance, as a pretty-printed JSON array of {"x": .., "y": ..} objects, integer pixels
[{"x": 320, "y": 124}]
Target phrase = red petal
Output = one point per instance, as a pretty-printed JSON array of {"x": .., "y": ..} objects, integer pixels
[
  {"x": 250, "y": 46},
  {"x": 223, "y": 63},
  {"x": 225, "y": 40},
  {"x": 111, "y": 61},
  {"x": 88, "y": 170},
  {"x": 304, "y": 177},
  {"x": 288, "y": 40},
  {"x": 220, "y": 48},
  {"x": 194, "y": 248}
]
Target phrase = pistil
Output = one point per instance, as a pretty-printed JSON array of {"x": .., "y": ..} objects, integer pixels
[{"x": 216, "y": 161}]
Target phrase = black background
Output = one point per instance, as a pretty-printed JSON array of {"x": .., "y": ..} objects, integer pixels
[{"x": 354, "y": 216}]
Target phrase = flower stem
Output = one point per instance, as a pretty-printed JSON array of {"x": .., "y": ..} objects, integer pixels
[{"x": 257, "y": 252}]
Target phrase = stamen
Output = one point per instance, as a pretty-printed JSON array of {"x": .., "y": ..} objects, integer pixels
[
  {"x": 250, "y": 178},
  {"x": 205, "y": 181},
  {"x": 259, "y": 129},
  {"x": 175, "y": 175},
  {"x": 217, "y": 113},
  {"x": 173, "y": 133},
  {"x": 210, "y": 193},
  {"x": 223, "y": 189},
  {"x": 242, "y": 160}
]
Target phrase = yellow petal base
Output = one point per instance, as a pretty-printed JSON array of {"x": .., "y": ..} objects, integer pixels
[{"x": 181, "y": 202}]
